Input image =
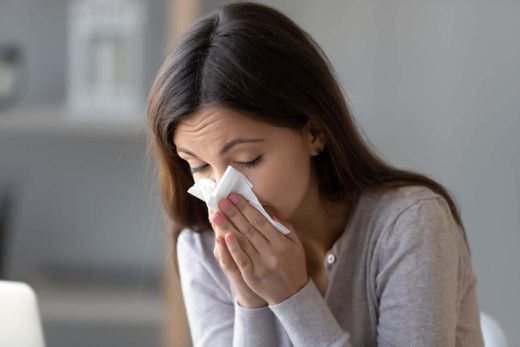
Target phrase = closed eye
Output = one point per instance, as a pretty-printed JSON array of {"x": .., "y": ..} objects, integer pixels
[{"x": 247, "y": 165}]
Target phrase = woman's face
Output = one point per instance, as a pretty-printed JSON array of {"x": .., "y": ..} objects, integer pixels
[{"x": 276, "y": 160}]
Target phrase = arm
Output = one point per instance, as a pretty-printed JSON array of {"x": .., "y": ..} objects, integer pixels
[
  {"x": 254, "y": 326},
  {"x": 214, "y": 318},
  {"x": 309, "y": 321},
  {"x": 282, "y": 279},
  {"x": 418, "y": 278}
]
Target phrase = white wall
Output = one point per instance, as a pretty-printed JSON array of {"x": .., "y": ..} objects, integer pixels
[{"x": 435, "y": 85}]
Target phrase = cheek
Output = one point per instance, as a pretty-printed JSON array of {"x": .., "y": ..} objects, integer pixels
[{"x": 283, "y": 187}]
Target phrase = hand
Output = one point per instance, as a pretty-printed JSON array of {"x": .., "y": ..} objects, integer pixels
[
  {"x": 245, "y": 296},
  {"x": 271, "y": 264}
]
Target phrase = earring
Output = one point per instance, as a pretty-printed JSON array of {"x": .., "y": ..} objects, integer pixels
[{"x": 318, "y": 150}]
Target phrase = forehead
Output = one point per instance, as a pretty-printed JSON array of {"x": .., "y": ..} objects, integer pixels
[{"x": 212, "y": 125}]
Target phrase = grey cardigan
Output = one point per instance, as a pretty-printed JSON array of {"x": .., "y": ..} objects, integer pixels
[{"x": 399, "y": 275}]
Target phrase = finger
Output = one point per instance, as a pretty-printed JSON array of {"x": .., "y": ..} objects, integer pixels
[
  {"x": 224, "y": 257},
  {"x": 223, "y": 226},
  {"x": 242, "y": 260},
  {"x": 255, "y": 218},
  {"x": 216, "y": 229},
  {"x": 243, "y": 225}
]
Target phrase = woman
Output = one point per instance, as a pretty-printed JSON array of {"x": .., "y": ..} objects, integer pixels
[{"x": 375, "y": 256}]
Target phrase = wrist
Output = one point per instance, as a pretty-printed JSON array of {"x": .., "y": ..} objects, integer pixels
[{"x": 251, "y": 302}]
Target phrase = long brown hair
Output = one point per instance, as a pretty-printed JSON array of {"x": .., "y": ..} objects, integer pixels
[{"x": 254, "y": 59}]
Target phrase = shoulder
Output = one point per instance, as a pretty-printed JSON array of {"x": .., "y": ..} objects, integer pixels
[
  {"x": 384, "y": 208},
  {"x": 415, "y": 219},
  {"x": 396, "y": 217},
  {"x": 195, "y": 244},
  {"x": 196, "y": 249},
  {"x": 197, "y": 263},
  {"x": 395, "y": 200},
  {"x": 419, "y": 208}
]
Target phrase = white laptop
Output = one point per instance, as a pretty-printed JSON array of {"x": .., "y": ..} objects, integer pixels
[{"x": 20, "y": 323}]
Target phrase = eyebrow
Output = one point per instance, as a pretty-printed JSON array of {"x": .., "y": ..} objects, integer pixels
[{"x": 226, "y": 147}]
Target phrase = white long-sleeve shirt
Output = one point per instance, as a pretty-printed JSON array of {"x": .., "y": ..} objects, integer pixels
[{"x": 399, "y": 275}]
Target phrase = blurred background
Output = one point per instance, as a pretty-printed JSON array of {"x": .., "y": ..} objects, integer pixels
[{"x": 434, "y": 86}]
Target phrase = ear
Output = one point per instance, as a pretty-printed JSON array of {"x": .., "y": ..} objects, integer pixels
[{"x": 314, "y": 136}]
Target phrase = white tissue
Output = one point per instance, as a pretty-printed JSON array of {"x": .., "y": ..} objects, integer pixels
[{"x": 232, "y": 181}]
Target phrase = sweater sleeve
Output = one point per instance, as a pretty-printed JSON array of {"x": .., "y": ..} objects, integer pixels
[
  {"x": 418, "y": 278},
  {"x": 308, "y": 320},
  {"x": 214, "y": 315},
  {"x": 254, "y": 326}
]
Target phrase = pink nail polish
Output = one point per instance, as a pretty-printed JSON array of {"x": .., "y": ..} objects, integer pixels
[
  {"x": 229, "y": 238},
  {"x": 216, "y": 218},
  {"x": 224, "y": 205},
  {"x": 233, "y": 198}
]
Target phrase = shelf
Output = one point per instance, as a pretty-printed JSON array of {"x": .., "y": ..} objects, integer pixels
[{"x": 60, "y": 122}]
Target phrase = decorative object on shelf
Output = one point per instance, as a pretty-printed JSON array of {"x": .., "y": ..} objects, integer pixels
[
  {"x": 106, "y": 55},
  {"x": 11, "y": 73}
]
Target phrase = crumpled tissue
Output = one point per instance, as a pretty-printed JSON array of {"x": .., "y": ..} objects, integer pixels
[{"x": 232, "y": 181}]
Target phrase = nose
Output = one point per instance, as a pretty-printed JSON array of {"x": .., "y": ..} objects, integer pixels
[{"x": 217, "y": 176}]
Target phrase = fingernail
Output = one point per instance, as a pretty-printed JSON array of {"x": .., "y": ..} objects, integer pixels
[
  {"x": 224, "y": 205},
  {"x": 229, "y": 238},
  {"x": 216, "y": 218},
  {"x": 233, "y": 198}
]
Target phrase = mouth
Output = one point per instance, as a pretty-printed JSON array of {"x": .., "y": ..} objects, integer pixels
[{"x": 268, "y": 209}]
